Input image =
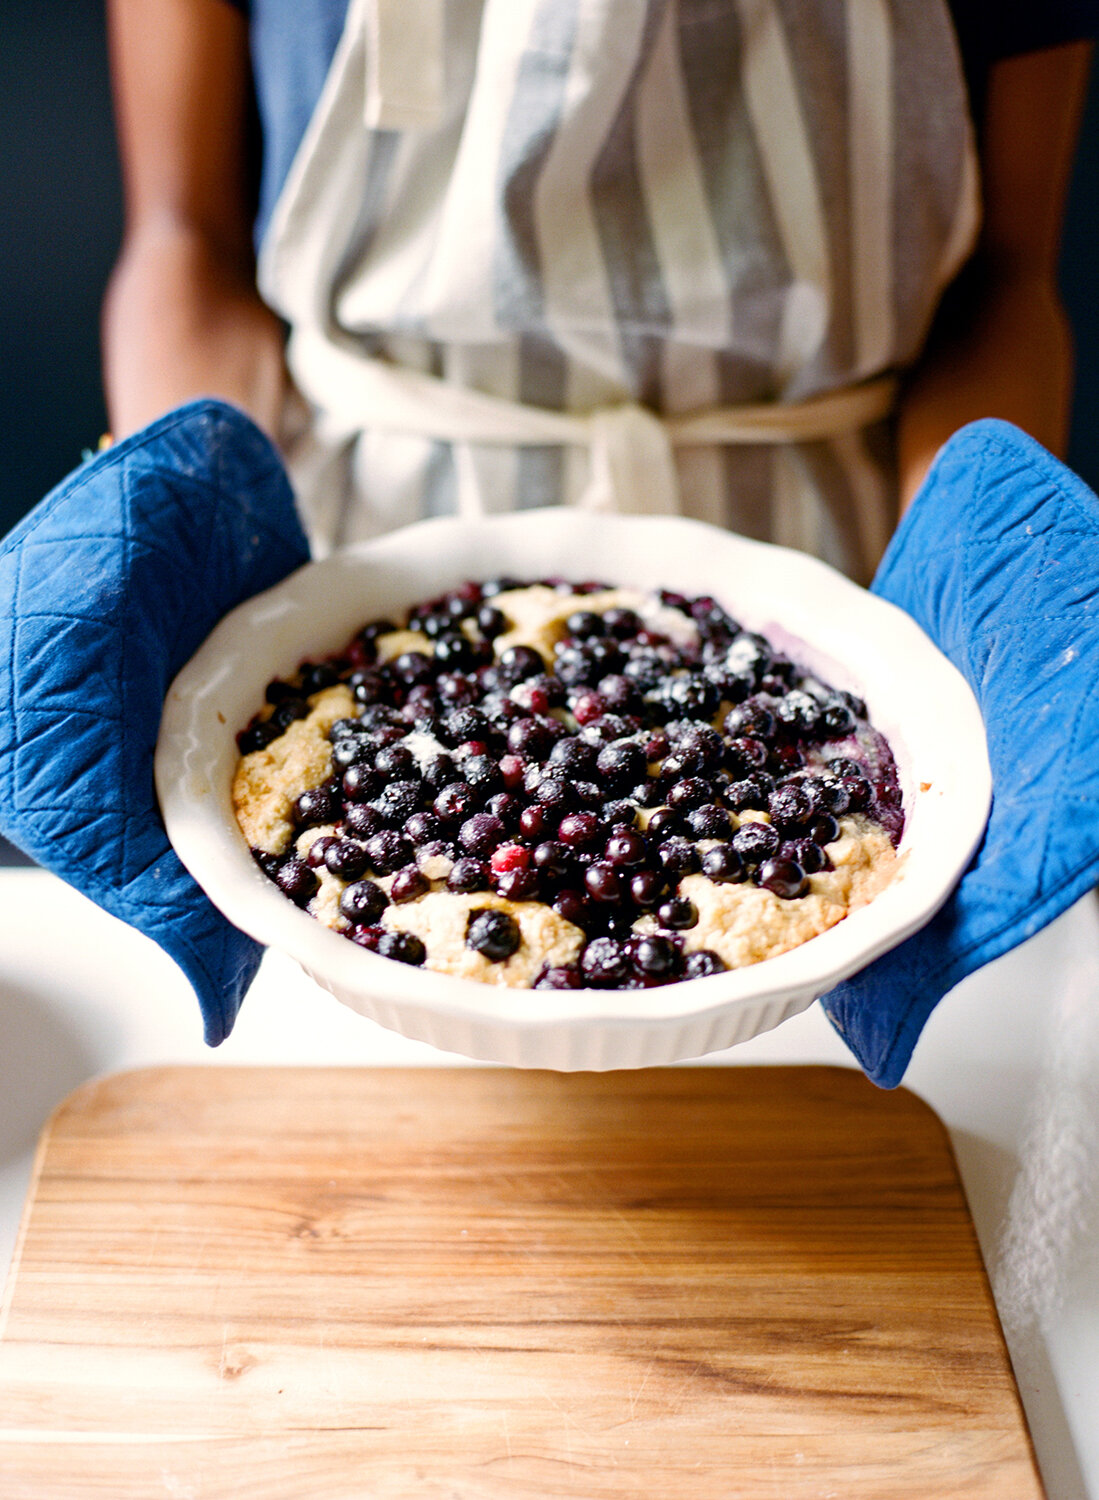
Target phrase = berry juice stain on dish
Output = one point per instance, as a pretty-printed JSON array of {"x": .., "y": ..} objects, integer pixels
[{"x": 567, "y": 786}]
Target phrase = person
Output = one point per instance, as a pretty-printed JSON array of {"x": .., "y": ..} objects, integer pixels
[{"x": 521, "y": 247}]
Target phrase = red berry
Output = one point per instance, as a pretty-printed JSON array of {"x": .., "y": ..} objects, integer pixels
[
  {"x": 511, "y": 769},
  {"x": 588, "y": 706},
  {"x": 510, "y": 857}
]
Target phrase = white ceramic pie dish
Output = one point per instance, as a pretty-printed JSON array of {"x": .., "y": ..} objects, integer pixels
[{"x": 849, "y": 637}]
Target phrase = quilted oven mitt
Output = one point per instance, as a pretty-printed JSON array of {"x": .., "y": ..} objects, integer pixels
[
  {"x": 106, "y": 589},
  {"x": 998, "y": 560}
]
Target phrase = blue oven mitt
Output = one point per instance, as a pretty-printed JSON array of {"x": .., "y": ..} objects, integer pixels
[
  {"x": 998, "y": 560},
  {"x": 108, "y": 587}
]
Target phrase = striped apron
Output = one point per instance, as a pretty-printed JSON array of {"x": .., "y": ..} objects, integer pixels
[{"x": 662, "y": 255}]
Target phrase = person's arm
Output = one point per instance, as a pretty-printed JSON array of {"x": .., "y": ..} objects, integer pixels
[
  {"x": 182, "y": 317},
  {"x": 1001, "y": 346}
]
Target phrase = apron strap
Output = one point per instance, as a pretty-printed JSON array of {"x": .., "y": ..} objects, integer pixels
[
  {"x": 405, "y": 64},
  {"x": 633, "y": 467}
]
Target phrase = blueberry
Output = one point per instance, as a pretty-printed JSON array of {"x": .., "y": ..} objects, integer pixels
[
  {"x": 492, "y": 933},
  {"x": 785, "y": 758},
  {"x": 316, "y": 677},
  {"x": 579, "y": 830},
  {"x": 750, "y": 720},
  {"x": 363, "y": 902},
  {"x": 574, "y": 667},
  {"x": 518, "y": 885},
  {"x": 585, "y": 624},
  {"x": 464, "y": 725},
  {"x": 535, "y": 821},
  {"x": 529, "y": 737},
  {"x": 836, "y": 722},
  {"x": 557, "y": 793},
  {"x": 743, "y": 794},
  {"x": 745, "y": 755},
  {"x": 359, "y": 782},
  {"x": 691, "y": 792},
  {"x": 648, "y": 889},
  {"x": 491, "y": 621},
  {"x": 796, "y": 715},
  {"x": 315, "y": 806},
  {"x": 456, "y": 653},
  {"x": 397, "y": 801},
  {"x": 483, "y": 773},
  {"x": 405, "y": 947},
  {"x": 481, "y": 834},
  {"x": 824, "y": 829},
  {"x": 620, "y": 694},
  {"x": 657, "y": 957},
  {"x": 501, "y": 585},
  {"x": 722, "y": 863},
  {"x": 521, "y": 662},
  {"x": 553, "y": 860},
  {"x": 454, "y": 802},
  {"x": 784, "y": 878},
  {"x": 296, "y": 880},
  {"x": 705, "y": 743},
  {"x": 621, "y": 765},
  {"x": 507, "y": 806},
  {"x": 678, "y": 857},
  {"x": 314, "y": 856},
  {"x": 755, "y": 842},
  {"x": 625, "y": 847},
  {"x": 387, "y": 851},
  {"x": 368, "y": 688},
  {"x": 859, "y": 793},
  {"x": 455, "y": 690},
  {"x": 257, "y": 737},
  {"x": 277, "y": 691},
  {"x": 791, "y": 807},
  {"x": 750, "y": 654},
  {"x": 362, "y": 821},
  {"x": 605, "y": 961},
  {"x": 709, "y": 822},
  {"x": 831, "y": 795},
  {"x": 666, "y": 823},
  {"x": 413, "y": 667},
  {"x": 564, "y": 977},
  {"x": 408, "y": 883},
  {"x": 440, "y": 771},
  {"x": 350, "y": 751},
  {"x": 396, "y": 761},
  {"x": 423, "y": 827},
  {"x": 702, "y": 963},
  {"x": 622, "y": 623},
  {"x": 468, "y": 874},
  {"x": 345, "y": 859},
  {"x": 604, "y": 882},
  {"x": 677, "y": 913},
  {"x": 289, "y": 711},
  {"x": 573, "y": 906},
  {"x": 620, "y": 812},
  {"x": 804, "y": 852},
  {"x": 691, "y": 695}
]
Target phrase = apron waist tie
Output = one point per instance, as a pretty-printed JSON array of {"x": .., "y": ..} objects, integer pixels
[{"x": 631, "y": 448}]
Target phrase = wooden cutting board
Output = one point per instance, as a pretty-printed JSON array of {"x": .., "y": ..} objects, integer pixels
[{"x": 479, "y": 1284}]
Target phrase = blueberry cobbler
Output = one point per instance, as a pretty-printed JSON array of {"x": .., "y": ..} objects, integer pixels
[{"x": 558, "y": 786}]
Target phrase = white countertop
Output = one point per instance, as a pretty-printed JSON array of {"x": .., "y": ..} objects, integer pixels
[{"x": 1010, "y": 1061}]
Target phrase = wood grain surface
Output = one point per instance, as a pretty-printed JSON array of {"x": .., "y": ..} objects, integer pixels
[{"x": 480, "y": 1284}]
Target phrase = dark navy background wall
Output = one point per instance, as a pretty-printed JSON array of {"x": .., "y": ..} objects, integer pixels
[{"x": 59, "y": 227}]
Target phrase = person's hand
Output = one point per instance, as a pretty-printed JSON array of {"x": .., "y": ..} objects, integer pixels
[{"x": 182, "y": 317}]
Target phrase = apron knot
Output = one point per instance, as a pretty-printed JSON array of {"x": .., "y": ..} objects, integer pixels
[{"x": 632, "y": 464}]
